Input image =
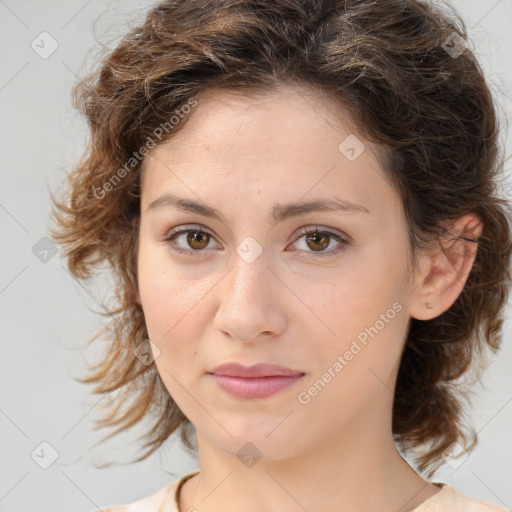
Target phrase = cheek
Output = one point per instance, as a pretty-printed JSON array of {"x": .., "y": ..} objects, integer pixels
[
  {"x": 173, "y": 300},
  {"x": 354, "y": 299},
  {"x": 172, "y": 323},
  {"x": 170, "y": 307},
  {"x": 362, "y": 319},
  {"x": 162, "y": 297},
  {"x": 156, "y": 295}
]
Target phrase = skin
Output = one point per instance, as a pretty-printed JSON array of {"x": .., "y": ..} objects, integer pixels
[{"x": 290, "y": 306}]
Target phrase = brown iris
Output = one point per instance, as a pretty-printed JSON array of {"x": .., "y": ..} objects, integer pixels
[
  {"x": 321, "y": 240},
  {"x": 198, "y": 237}
]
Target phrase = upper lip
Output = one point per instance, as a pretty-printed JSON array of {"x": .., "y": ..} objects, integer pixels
[{"x": 257, "y": 370}]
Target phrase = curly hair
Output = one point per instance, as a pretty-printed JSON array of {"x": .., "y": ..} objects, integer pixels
[{"x": 392, "y": 65}]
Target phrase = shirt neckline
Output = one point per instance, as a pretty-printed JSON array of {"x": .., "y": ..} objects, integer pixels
[
  {"x": 434, "y": 498},
  {"x": 442, "y": 486},
  {"x": 181, "y": 481}
]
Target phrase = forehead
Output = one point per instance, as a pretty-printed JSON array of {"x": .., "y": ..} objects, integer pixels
[
  {"x": 286, "y": 140},
  {"x": 255, "y": 113}
]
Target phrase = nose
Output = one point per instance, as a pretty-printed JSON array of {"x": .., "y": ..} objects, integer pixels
[{"x": 251, "y": 302}]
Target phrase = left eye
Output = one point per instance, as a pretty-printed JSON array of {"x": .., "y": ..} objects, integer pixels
[
  {"x": 318, "y": 240},
  {"x": 315, "y": 239}
]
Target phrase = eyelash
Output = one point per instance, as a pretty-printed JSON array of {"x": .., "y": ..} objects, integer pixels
[{"x": 302, "y": 232}]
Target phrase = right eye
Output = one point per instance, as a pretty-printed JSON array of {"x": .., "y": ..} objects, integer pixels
[{"x": 194, "y": 243}]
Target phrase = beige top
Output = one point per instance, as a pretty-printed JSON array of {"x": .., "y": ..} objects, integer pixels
[{"x": 447, "y": 499}]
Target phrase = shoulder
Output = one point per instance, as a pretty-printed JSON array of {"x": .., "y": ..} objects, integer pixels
[
  {"x": 450, "y": 499},
  {"x": 163, "y": 500}
]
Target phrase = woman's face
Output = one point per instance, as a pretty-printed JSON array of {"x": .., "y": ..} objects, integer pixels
[{"x": 252, "y": 288}]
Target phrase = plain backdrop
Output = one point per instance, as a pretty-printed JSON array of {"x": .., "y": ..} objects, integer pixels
[{"x": 47, "y": 460}]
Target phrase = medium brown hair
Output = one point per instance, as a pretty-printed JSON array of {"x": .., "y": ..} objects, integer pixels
[{"x": 387, "y": 63}]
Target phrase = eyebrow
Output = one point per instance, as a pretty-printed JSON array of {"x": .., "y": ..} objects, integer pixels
[{"x": 278, "y": 213}]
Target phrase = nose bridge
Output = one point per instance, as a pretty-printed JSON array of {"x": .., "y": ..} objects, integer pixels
[
  {"x": 249, "y": 275},
  {"x": 248, "y": 302}
]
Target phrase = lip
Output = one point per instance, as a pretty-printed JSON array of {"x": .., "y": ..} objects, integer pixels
[
  {"x": 257, "y": 370},
  {"x": 258, "y": 381}
]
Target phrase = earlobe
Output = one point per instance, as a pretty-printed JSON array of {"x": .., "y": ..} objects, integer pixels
[{"x": 444, "y": 272}]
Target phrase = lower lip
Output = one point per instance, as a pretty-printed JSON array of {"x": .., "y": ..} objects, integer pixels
[{"x": 255, "y": 387}]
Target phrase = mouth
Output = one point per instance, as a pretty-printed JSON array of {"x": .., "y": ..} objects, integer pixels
[
  {"x": 254, "y": 387},
  {"x": 258, "y": 381}
]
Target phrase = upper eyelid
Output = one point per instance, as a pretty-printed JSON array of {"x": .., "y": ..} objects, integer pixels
[{"x": 180, "y": 230}]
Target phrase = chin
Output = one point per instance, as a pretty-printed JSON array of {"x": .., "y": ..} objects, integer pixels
[{"x": 251, "y": 443}]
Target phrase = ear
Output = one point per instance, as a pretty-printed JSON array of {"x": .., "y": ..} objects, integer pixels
[
  {"x": 443, "y": 272},
  {"x": 137, "y": 298}
]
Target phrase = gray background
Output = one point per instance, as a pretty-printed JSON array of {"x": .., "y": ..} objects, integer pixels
[{"x": 46, "y": 315}]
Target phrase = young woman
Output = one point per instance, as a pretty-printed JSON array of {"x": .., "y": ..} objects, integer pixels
[{"x": 298, "y": 201}]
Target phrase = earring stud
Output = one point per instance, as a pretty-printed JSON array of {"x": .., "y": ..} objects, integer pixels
[{"x": 429, "y": 306}]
